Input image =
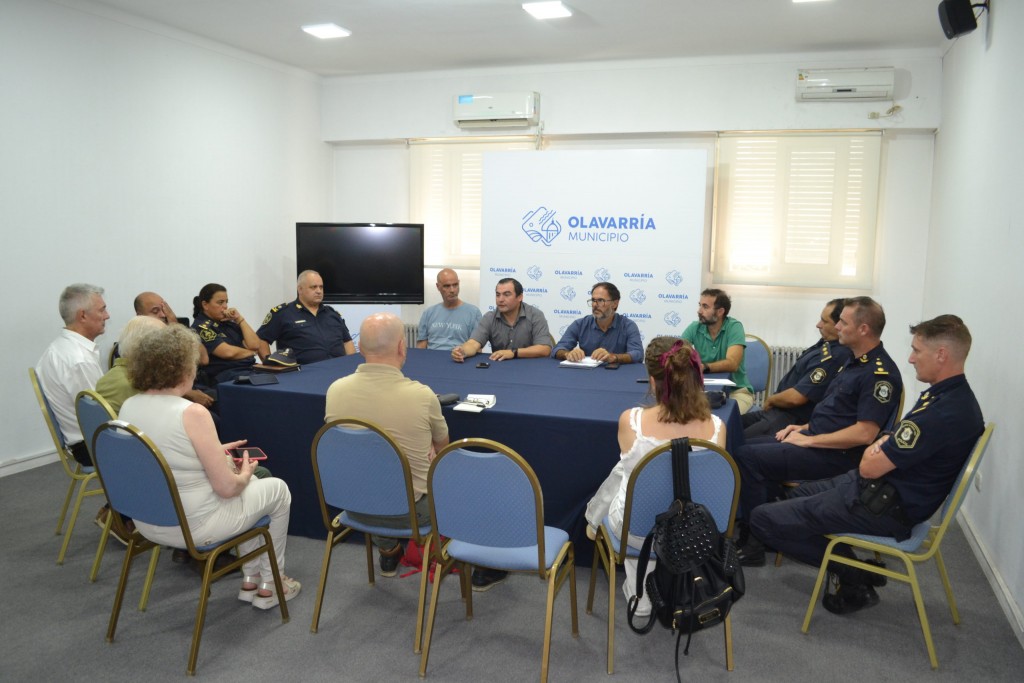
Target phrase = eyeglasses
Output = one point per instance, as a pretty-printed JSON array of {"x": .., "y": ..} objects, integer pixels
[{"x": 599, "y": 302}]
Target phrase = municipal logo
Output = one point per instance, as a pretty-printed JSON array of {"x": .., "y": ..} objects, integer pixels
[
  {"x": 638, "y": 296},
  {"x": 674, "y": 278},
  {"x": 534, "y": 273},
  {"x": 602, "y": 275},
  {"x": 568, "y": 293},
  {"x": 672, "y": 319},
  {"x": 562, "y": 329},
  {"x": 540, "y": 226}
]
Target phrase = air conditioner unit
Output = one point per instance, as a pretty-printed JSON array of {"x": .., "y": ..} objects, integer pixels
[
  {"x": 835, "y": 85},
  {"x": 497, "y": 110}
]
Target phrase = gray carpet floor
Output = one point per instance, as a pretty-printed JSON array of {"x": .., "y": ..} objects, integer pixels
[{"x": 54, "y": 621}]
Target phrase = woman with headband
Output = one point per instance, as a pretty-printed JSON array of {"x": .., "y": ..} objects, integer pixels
[{"x": 680, "y": 409}]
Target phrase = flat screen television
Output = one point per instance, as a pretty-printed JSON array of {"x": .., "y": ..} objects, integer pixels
[{"x": 364, "y": 263}]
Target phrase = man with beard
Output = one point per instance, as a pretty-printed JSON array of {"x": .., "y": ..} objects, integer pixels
[
  {"x": 605, "y": 335},
  {"x": 721, "y": 342}
]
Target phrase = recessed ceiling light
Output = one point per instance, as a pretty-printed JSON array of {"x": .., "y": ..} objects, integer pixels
[
  {"x": 799, "y": 1},
  {"x": 547, "y": 10},
  {"x": 324, "y": 31}
]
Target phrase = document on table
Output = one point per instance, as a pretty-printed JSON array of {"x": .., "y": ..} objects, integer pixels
[
  {"x": 716, "y": 383},
  {"x": 475, "y": 403},
  {"x": 587, "y": 362}
]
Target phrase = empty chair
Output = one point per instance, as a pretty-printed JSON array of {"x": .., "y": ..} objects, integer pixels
[
  {"x": 714, "y": 482},
  {"x": 487, "y": 509},
  {"x": 758, "y": 360},
  {"x": 358, "y": 468},
  {"x": 80, "y": 476},
  {"x": 139, "y": 484},
  {"x": 922, "y": 545}
]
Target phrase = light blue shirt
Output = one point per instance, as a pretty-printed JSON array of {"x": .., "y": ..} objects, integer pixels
[
  {"x": 623, "y": 336},
  {"x": 446, "y": 328}
]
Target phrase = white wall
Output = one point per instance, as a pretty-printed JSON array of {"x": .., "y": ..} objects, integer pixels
[
  {"x": 136, "y": 158},
  {"x": 671, "y": 103},
  {"x": 974, "y": 264}
]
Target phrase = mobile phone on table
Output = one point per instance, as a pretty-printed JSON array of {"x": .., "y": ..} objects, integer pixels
[{"x": 254, "y": 453}]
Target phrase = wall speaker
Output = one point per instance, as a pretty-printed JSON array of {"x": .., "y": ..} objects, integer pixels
[{"x": 957, "y": 17}]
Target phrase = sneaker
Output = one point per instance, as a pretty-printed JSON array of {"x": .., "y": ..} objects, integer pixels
[
  {"x": 849, "y": 598},
  {"x": 101, "y": 522},
  {"x": 752, "y": 553},
  {"x": 389, "y": 559},
  {"x": 484, "y": 579},
  {"x": 291, "y": 589}
]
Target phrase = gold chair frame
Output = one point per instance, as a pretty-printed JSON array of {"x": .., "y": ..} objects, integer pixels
[
  {"x": 72, "y": 468},
  {"x": 929, "y": 549},
  {"x": 336, "y": 534},
  {"x": 562, "y": 568},
  {"x": 138, "y": 544}
]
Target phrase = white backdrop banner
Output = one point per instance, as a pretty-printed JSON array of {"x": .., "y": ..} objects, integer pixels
[{"x": 560, "y": 222}]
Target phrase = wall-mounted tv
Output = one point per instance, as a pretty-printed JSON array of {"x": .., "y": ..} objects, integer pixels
[{"x": 364, "y": 263}]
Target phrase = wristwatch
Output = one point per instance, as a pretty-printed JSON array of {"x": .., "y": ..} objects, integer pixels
[{"x": 515, "y": 353}]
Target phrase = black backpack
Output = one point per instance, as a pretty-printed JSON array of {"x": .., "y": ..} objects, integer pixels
[{"x": 698, "y": 576}]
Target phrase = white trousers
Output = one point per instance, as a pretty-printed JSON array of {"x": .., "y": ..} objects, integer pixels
[{"x": 260, "y": 497}]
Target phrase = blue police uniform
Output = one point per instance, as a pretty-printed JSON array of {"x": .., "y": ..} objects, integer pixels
[
  {"x": 866, "y": 389},
  {"x": 212, "y": 334},
  {"x": 811, "y": 375},
  {"x": 928, "y": 448},
  {"x": 310, "y": 337}
]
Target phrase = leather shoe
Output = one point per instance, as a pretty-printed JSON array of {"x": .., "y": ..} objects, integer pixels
[
  {"x": 484, "y": 579},
  {"x": 752, "y": 554},
  {"x": 873, "y": 579},
  {"x": 180, "y": 556},
  {"x": 849, "y": 598},
  {"x": 389, "y": 559}
]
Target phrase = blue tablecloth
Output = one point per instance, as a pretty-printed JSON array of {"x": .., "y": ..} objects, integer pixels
[{"x": 562, "y": 421}]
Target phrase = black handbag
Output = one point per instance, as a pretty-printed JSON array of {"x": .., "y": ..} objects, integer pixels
[{"x": 698, "y": 576}]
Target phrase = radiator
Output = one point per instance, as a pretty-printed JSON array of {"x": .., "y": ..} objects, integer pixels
[{"x": 410, "y": 335}]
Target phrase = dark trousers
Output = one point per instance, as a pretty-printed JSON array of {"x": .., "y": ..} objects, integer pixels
[
  {"x": 765, "y": 422},
  {"x": 797, "y": 526},
  {"x": 80, "y": 452},
  {"x": 765, "y": 463}
]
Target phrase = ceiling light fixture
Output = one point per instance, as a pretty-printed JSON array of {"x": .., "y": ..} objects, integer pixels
[
  {"x": 325, "y": 31},
  {"x": 799, "y": 1},
  {"x": 547, "y": 10}
]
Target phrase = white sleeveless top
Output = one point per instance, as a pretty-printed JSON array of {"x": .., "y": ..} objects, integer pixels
[{"x": 642, "y": 446}]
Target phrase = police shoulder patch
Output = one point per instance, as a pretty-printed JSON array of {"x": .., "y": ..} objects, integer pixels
[
  {"x": 269, "y": 316},
  {"x": 883, "y": 392},
  {"x": 818, "y": 375},
  {"x": 206, "y": 334},
  {"x": 907, "y": 434}
]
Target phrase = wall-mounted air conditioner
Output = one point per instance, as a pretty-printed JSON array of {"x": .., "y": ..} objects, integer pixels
[
  {"x": 497, "y": 110},
  {"x": 842, "y": 85}
]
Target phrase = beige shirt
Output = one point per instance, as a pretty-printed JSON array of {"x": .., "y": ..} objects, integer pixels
[{"x": 407, "y": 410}]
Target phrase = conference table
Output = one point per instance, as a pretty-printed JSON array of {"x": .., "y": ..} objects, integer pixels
[{"x": 563, "y": 421}]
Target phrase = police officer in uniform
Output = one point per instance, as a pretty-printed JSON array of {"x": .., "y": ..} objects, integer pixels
[
  {"x": 806, "y": 382},
  {"x": 919, "y": 461},
  {"x": 860, "y": 402},
  {"x": 231, "y": 343},
  {"x": 312, "y": 330}
]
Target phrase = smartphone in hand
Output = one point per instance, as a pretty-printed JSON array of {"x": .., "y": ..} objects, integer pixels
[{"x": 254, "y": 453}]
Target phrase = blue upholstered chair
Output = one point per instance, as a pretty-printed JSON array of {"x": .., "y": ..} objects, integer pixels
[
  {"x": 81, "y": 476},
  {"x": 714, "y": 482},
  {"x": 922, "y": 545},
  {"x": 92, "y": 411},
  {"x": 487, "y": 509},
  {"x": 139, "y": 484},
  {"x": 758, "y": 361},
  {"x": 359, "y": 468}
]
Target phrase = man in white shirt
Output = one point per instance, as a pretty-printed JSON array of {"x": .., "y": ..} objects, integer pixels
[{"x": 71, "y": 363}]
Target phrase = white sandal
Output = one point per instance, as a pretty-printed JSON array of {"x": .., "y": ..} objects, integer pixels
[
  {"x": 248, "y": 594},
  {"x": 291, "y": 589}
]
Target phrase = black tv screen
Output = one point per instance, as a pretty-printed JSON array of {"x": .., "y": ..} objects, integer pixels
[{"x": 364, "y": 263}]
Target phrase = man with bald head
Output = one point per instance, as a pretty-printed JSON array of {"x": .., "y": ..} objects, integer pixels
[
  {"x": 408, "y": 411},
  {"x": 449, "y": 323},
  {"x": 310, "y": 329},
  {"x": 153, "y": 305}
]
